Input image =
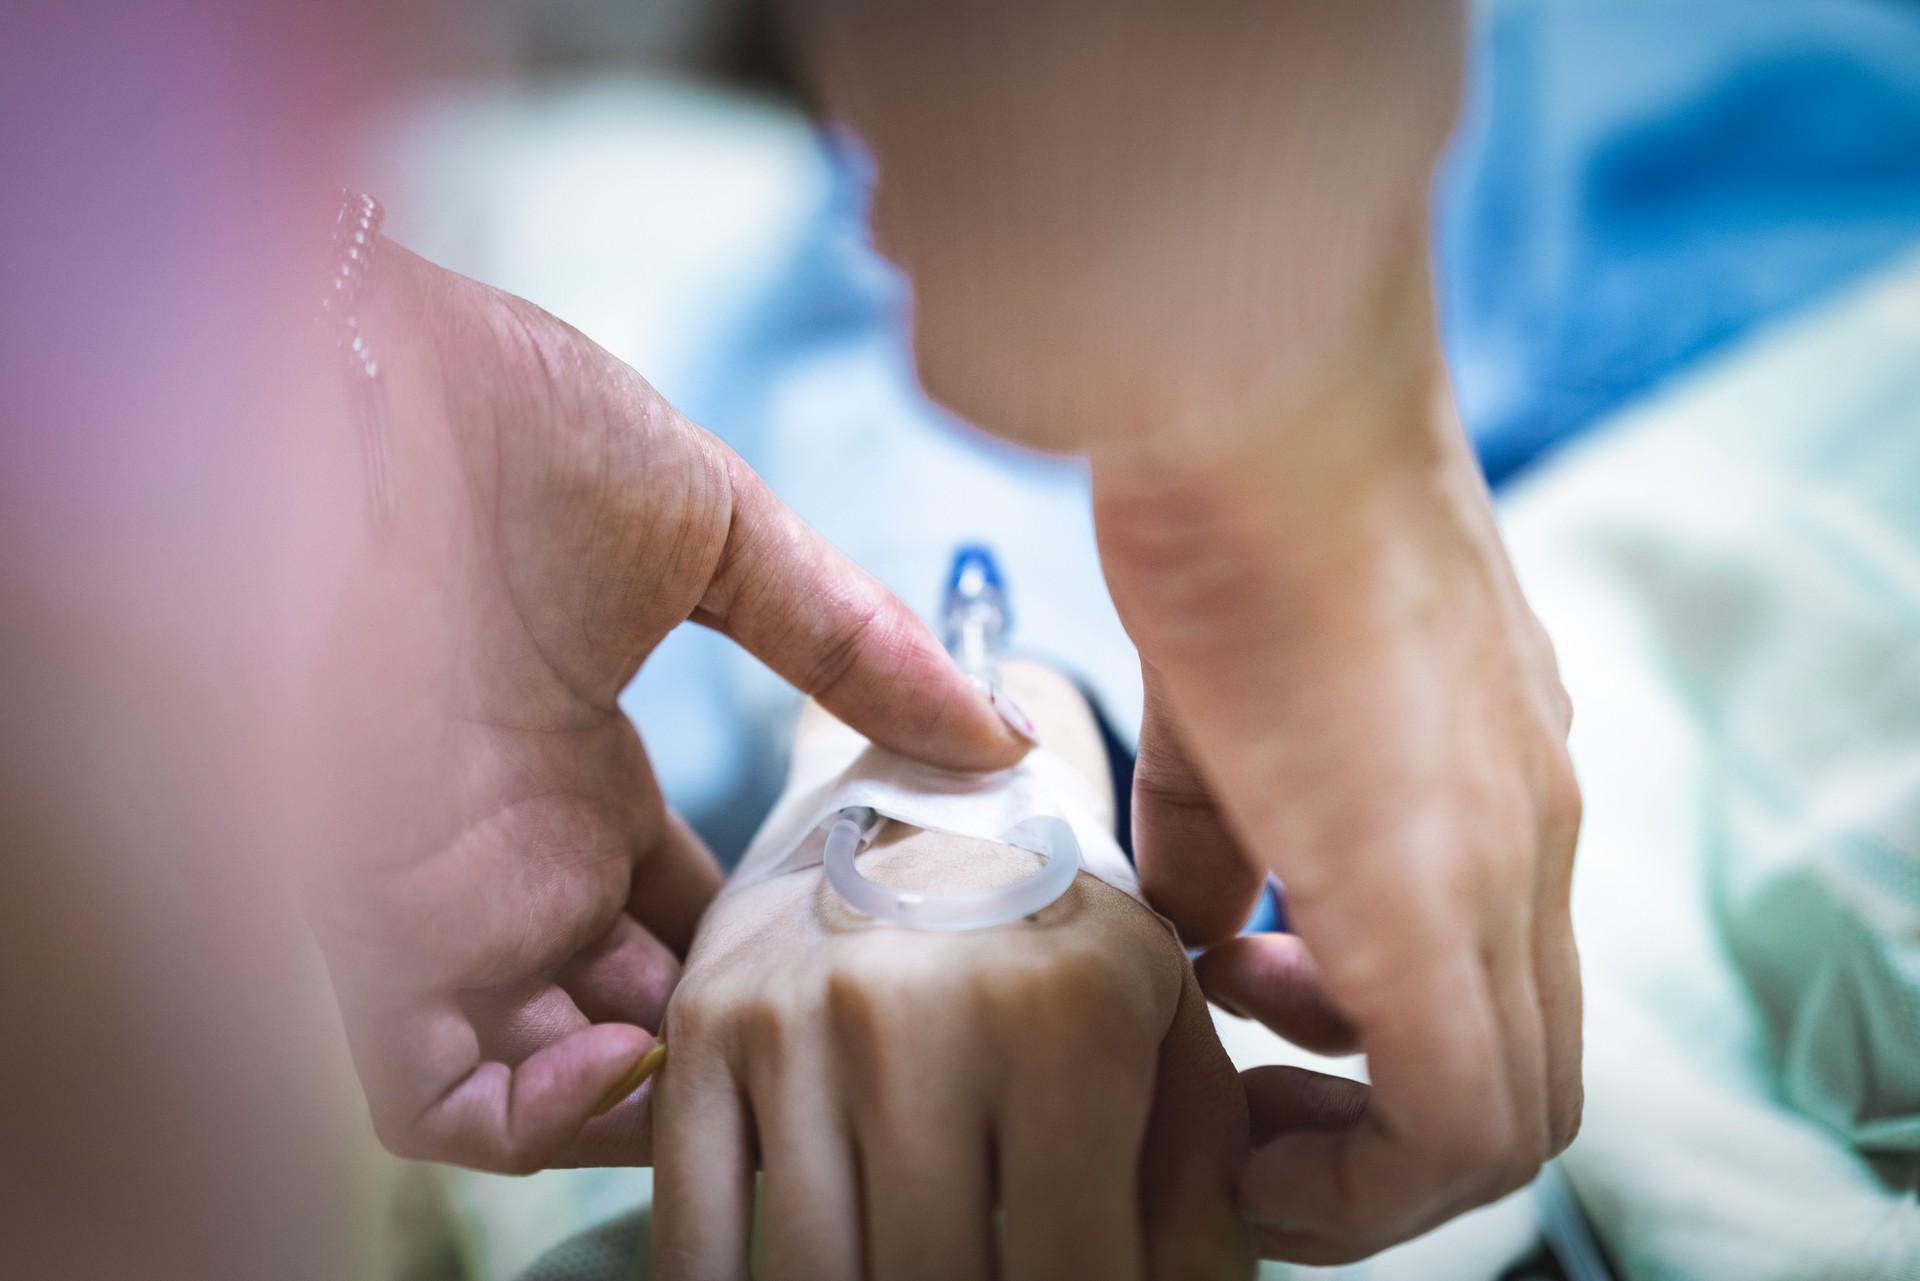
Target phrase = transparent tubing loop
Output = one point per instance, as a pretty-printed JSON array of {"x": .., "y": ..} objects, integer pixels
[{"x": 1050, "y": 838}]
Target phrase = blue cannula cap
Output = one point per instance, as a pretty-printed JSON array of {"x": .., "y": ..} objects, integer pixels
[
  {"x": 974, "y": 615},
  {"x": 974, "y": 570}
]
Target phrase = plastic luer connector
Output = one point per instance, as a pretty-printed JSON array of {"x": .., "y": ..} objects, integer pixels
[{"x": 974, "y": 620}]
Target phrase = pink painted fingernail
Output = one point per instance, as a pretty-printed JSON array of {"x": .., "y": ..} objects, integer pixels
[{"x": 1010, "y": 712}]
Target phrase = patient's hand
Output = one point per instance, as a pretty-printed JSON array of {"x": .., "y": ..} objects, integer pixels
[{"x": 897, "y": 1086}]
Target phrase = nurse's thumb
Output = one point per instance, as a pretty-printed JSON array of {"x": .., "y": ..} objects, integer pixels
[{"x": 793, "y": 601}]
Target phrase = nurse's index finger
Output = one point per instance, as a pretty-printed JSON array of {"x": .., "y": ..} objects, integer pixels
[{"x": 833, "y": 630}]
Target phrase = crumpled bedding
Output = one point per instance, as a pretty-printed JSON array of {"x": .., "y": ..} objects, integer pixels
[{"x": 1731, "y": 574}]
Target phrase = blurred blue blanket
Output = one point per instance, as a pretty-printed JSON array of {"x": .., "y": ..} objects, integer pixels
[{"x": 1637, "y": 181}]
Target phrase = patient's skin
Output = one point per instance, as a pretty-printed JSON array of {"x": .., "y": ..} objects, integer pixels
[{"x": 896, "y": 1085}]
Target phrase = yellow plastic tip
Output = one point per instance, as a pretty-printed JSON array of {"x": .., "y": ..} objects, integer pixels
[{"x": 632, "y": 1079}]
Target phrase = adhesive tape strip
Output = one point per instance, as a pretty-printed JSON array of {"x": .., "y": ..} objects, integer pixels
[{"x": 1051, "y": 838}]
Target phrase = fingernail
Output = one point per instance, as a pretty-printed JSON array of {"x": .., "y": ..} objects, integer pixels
[
  {"x": 1010, "y": 712},
  {"x": 632, "y": 1079}
]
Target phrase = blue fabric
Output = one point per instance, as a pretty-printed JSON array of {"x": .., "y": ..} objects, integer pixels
[{"x": 1635, "y": 182}]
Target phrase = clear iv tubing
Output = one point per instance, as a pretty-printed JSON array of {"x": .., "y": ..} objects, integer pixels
[{"x": 975, "y": 620}]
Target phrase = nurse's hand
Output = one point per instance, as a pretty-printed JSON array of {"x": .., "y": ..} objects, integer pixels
[
  {"x": 1346, "y": 688},
  {"x": 1040, "y": 1101},
  {"x": 503, "y": 897}
]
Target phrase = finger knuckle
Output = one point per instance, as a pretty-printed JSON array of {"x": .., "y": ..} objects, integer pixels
[
  {"x": 505, "y": 1157},
  {"x": 1562, "y": 803},
  {"x": 1073, "y": 1004},
  {"x": 1483, "y": 1146},
  {"x": 765, "y": 1030},
  {"x": 399, "y": 1137},
  {"x": 1511, "y": 1179},
  {"x": 701, "y": 1010},
  {"x": 1510, "y": 1166},
  {"x": 491, "y": 1149},
  {"x": 1568, "y": 1112},
  {"x": 858, "y": 1011},
  {"x": 1563, "y": 708}
]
